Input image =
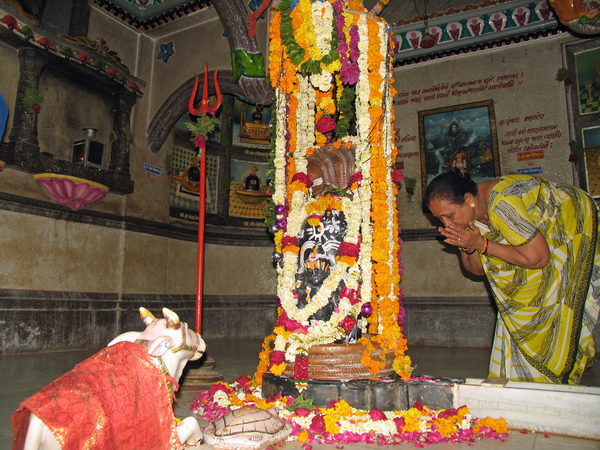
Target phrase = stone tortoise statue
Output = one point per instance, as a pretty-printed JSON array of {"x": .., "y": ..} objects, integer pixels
[
  {"x": 120, "y": 398},
  {"x": 247, "y": 429}
]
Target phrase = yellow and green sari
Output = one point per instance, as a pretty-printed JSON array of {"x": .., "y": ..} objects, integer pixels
[{"x": 545, "y": 316}]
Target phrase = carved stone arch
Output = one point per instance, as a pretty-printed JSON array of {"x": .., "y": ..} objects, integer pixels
[
  {"x": 233, "y": 15},
  {"x": 177, "y": 105}
]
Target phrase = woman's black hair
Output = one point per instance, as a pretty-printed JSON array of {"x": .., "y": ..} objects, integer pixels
[{"x": 451, "y": 186}]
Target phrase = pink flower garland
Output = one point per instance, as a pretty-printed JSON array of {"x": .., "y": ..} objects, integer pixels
[{"x": 349, "y": 71}]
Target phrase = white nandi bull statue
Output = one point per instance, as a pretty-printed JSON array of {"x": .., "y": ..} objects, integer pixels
[{"x": 120, "y": 398}]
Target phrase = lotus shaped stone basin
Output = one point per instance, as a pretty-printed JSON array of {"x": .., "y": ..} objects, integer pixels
[
  {"x": 67, "y": 190},
  {"x": 252, "y": 197}
]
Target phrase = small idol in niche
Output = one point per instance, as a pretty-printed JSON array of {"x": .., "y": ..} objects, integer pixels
[
  {"x": 252, "y": 181},
  {"x": 193, "y": 172},
  {"x": 257, "y": 114}
]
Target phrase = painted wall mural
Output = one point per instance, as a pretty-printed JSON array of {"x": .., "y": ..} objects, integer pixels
[
  {"x": 588, "y": 80},
  {"x": 248, "y": 190},
  {"x": 185, "y": 183}
]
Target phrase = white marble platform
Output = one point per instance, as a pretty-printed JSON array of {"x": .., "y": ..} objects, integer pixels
[{"x": 558, "y": 409}]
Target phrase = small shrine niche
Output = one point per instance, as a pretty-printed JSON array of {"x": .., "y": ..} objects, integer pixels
[{"x": 254, "y": 126}]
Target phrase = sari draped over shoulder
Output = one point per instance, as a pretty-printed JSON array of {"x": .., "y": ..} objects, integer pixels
[{"x": 545, "y": 316}]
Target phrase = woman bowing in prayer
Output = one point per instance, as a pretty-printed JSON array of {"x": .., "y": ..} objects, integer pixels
[{"x": 537, "y": 244}]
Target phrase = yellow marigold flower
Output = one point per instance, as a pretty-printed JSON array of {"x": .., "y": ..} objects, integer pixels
[
  {"x": 401, "y": 365},
  {"x": 376, "y": 102},
  {"x": 327, "y": 105},
  {"x": 334, "y": 67},
  {"x": 414, "y": 413},
  {"x": 331, "y": 424},
  {"x": 278, "y": 369},
  {"x": 282, "y": 332},
  {"x": 411, "y": 423},
  {"x": 343, "y": 408}
]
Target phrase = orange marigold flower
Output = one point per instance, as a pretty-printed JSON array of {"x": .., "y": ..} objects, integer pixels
[
  {"x": 292, "y": 249},
  {"x": 303, "y": 436},
  {"x": 348, "y": 260},
  {"x": 446, "y": 427},
  {"x": 498, "y": 425}
]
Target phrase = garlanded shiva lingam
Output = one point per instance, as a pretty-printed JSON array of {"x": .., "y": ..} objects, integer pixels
[{"x": 333, "y": 208}]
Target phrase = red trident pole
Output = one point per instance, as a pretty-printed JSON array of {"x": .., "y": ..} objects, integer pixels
[
  {"x": 200, "y": 143},
  {"x": 201, "y": 208}
]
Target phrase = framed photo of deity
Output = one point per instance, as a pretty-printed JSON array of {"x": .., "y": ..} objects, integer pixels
[{"x": 463, "y": 137}]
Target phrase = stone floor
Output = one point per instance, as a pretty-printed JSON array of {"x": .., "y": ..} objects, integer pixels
[{"x": 25, "y": 374}]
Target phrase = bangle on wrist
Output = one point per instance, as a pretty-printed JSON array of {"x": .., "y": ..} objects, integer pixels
[
  {"x": 485, "y": 247},
  {"x": 471, "y": 252}
]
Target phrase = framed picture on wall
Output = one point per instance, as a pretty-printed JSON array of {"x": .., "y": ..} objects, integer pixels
[
  {"x": 591, "y": 142},
  {"x": 582, "y": 61},
  {"x": 588, "y": 80},
  {"x": 462, "y": 136},
  {"x": 251, "y": 125},
  {"x": 185, "y": 183},
  {"x": 248, "y": 189}
]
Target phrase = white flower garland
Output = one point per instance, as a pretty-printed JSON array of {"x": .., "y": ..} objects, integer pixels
[
  {"x": 279, "y": 161},
  {"x": 304, "y": 120},
  {"x": 322, "y": 19},
  {"x": 363, "y": 89}
]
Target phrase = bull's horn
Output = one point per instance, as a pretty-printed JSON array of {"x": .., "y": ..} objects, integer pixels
[
  {"x": 147, "y": 316},
  {"x": 172, "y": 319}
]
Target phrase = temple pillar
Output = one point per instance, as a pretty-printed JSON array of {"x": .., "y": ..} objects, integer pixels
[
  {"x": 24, "y": 133},
  {"x": 119, "y": 154}
]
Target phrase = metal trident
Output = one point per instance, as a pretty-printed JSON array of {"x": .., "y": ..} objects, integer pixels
[{"x": 204, "y": 108}]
